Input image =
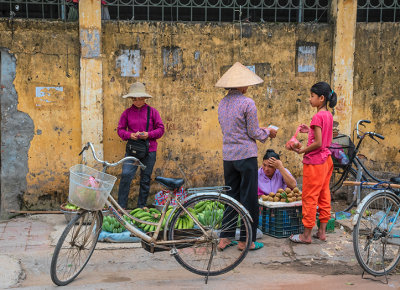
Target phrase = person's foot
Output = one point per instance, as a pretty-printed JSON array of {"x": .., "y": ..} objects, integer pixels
[
  {"x": 223, "y": 244},
  {"x": 253, "y": 246},
  {"x": 320, "y": 236},
  {"x": 300, "y": 239}
]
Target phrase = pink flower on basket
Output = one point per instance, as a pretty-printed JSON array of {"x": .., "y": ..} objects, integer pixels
[{"x": 92, "y": 182}]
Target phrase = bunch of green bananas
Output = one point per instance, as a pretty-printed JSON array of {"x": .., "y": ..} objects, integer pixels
[
  {"x": 210, "y": 213},
  {"x": 111, "y": 225},
  {"x": 146, "y": 214}
]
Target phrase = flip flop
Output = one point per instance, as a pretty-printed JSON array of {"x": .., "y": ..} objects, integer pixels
[
  {"x": 231, "y": 244},
  {"x": 316, "y": 236},
  {"x": 296, "y": 239},
  {"x": 257, "y": 246}
]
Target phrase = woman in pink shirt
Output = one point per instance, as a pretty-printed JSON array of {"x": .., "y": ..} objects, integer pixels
[
  {"x": 317, "y": 164},
  {"x": 272, "y": 175},
  {"x": 132, "y": 125}
]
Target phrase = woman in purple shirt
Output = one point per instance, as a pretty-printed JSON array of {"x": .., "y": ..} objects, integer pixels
[
  {"x": 272, "y": 175},
  {"x": 132, "y": 125},
  {"x": 237, "y": 116}
]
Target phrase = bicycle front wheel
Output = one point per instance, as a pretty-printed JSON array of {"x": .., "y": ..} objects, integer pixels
[
  {"x": 75, "y": 246},
  {"x": 376, "y": 250},
  {"x": 220, "y": 217}
]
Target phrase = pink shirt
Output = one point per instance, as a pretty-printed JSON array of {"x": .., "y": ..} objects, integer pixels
[
  {"x": 135, "y": 120},
  {"x": 324, "y": 120}
]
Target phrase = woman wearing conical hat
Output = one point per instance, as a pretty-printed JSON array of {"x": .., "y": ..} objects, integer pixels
[
  {"x": 139, "y": 122},
  {"x": 237, "y": 115}
]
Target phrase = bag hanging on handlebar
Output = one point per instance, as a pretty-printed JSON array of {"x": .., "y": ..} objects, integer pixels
[{"x": 139, "y": 148}]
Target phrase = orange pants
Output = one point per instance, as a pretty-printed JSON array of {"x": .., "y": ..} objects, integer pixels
[{"x": 316, "y": 192}]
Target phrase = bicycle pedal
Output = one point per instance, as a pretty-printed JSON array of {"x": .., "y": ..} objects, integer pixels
[{"x": 173, "y": 252}]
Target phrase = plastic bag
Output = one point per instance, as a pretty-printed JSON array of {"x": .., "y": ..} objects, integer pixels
[{"x": 293, "y": 143}]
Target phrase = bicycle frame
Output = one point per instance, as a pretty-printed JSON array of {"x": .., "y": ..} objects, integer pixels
[
  {"x": 115, "y": 208},
  {"x": 152, "y": 239}
]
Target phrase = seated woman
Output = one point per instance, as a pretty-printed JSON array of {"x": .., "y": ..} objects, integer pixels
[{"x": 272, "y": 175}]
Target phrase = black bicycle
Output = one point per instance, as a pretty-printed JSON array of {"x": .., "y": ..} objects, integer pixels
[{"x": 347, "y": 163}]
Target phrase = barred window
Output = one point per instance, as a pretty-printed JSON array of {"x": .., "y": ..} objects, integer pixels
[
  {"x": 378, "y": 11},
  {"x": 176, "y": 10}
]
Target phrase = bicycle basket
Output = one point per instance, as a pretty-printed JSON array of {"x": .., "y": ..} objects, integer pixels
[
  {"x": 342, "y": 149},
  {"x": 89, "y": 188}
]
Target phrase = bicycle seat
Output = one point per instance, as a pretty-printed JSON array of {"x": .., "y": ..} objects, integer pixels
[
  {"x": 170, "y": 183},
  {"x": 395, "y": 179}
]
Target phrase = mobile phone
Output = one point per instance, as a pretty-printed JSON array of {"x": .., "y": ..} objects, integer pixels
[{"x": 273, "y": 127}]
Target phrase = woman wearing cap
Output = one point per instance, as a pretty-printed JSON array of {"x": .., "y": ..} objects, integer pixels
[
  {"x": 237, "y": 115},
  {"x": 132, "y": 125}
]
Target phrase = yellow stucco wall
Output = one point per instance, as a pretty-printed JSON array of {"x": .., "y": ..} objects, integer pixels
[
  {"x": 188, "y": 101},
  {"x": 47, "y": 55},
  {"x": 377, "y": 92}
]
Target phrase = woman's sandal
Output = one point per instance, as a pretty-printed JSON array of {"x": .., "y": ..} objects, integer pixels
[
  {"x": 296, "y": 239},
  {"x": 231, "y": 244},
  {"x": 257, "y": 246}
]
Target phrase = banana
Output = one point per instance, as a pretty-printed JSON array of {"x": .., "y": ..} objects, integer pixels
[
  {"x": 146, "y": 218},
  {"x": 135, "y": 211},
  {"x": 201, "y": 208},
  {"x": 146, "y": 228},
  {"x": 183, "y": 222},
  {"x": 199, "y": 204},
  {"x": 179, "y": 223},
  {"x": 142, "y": 214},
  {"x": 190, "y": 223},
  {"x": 154, "y": 210},
  {"x": 192, "y": 211}
]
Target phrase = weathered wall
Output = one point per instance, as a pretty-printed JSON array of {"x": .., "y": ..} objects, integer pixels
[
  {"x": 377, "y": 92},
  {"x": 182, "y": 84},
  {"x": 16, "y": 135},
  {"x": 180, "y": 64},
  {"x": 47, "y": 91}
]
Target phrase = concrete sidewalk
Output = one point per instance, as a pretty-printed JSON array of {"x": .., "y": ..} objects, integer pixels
[{"x": 27, "y": 244}]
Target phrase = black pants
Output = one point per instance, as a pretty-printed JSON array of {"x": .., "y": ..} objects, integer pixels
[
  {"x": 128, "y": 172},
  {"x": 242, "y": 177}
]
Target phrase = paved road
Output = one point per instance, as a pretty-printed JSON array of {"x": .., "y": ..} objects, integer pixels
[{"x": 26, "y": 247}]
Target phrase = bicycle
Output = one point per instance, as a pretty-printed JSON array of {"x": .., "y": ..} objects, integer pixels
[
  {"x": 195, "y": 249},
  {"x": 352, "y": 169},
  {"x": 376, "y": 233}
]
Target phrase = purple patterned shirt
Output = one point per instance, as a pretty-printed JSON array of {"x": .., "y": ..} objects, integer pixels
[{"x": 237, "y": 116}]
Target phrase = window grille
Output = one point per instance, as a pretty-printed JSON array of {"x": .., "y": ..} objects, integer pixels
[
  {"x": 378, "y": 11},
  {"x": 179, "y": 10}
]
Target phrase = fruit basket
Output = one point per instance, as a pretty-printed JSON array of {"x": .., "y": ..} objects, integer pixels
[{"x": 69, "y": 213}]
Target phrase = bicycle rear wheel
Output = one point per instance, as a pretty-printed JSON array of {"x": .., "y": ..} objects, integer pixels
[
  {"x": 374, "y": 249},
  {"x": 75, "y": 246},
  {"x": 220, "y": 217}
]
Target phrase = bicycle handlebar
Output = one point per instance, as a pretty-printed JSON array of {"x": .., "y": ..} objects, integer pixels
[
  {"x": 108, "y": 164},
  {"x": 377, "y": 135},
  {"x": 371, "y": 134}
]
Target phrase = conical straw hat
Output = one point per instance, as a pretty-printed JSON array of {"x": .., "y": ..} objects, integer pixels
[
  {"x": 238, "y": 76},
  {"x": 137, "y": 90}
]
